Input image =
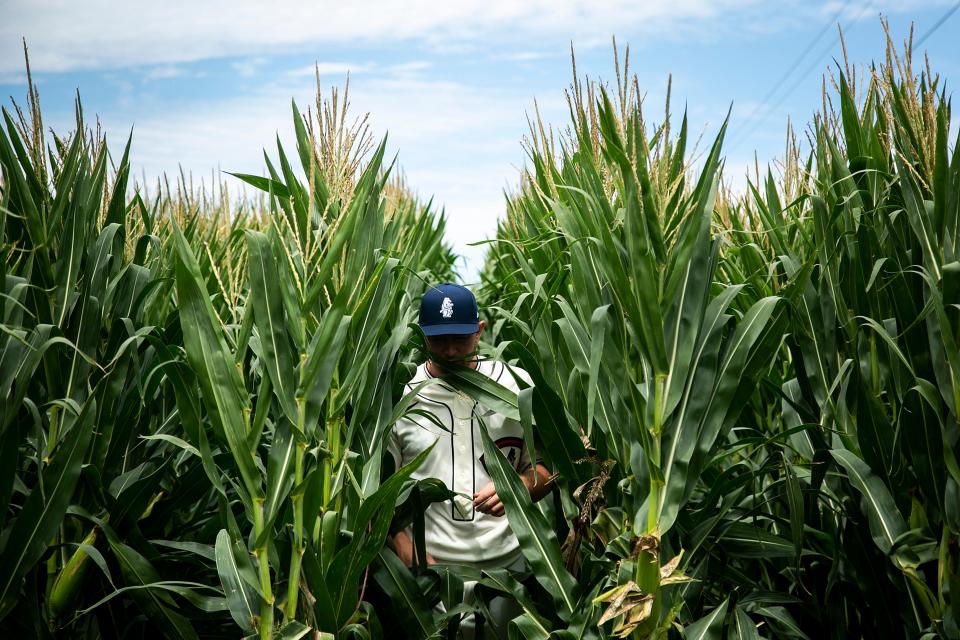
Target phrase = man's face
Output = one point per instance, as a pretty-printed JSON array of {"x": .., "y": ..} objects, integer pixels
[{"x": 454, "y": 348}]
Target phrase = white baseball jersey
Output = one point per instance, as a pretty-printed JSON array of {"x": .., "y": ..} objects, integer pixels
[{"x": 454, "y": 530}]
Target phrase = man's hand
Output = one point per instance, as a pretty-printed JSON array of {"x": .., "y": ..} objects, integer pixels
[
  {"x": 537, "y": 480},
  {"x": 403, "y": 546},
  {"x": 487, "y": 501}
]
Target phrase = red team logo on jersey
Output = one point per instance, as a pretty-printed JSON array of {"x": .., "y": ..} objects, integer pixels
[{"x": 511, "y": 449}]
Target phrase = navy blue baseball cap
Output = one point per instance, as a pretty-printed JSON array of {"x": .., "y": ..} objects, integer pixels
[{"x": 448, "y": 309}]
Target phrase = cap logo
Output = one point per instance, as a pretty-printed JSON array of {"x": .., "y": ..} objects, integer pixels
[{"x": 446, "y": 308}]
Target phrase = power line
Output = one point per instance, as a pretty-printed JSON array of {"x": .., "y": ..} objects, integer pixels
[
  {"x": 938, "y": 23},
  {"x": 757, "y": 124},
  {"x": 803, "y": 76},
  {"x": 796, "y": 63}
]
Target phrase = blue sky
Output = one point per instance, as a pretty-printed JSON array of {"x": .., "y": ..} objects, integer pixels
[{"x": 207, "y": 85}]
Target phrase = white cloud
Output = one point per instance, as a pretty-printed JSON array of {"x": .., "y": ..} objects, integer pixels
[
  {"x": 65, "y": 35},
  {"x": 458, "y": 143},
  {"x": 520, "y": 56},
  {"x": 164, "y": 72},
  {"x": 409, "y": 69},
  {"x": 248, "y": 67},
  {"x": 331, "y": 69},
  {"x": 14, "y": 77}
]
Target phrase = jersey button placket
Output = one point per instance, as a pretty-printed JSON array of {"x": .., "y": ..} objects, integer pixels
[{"x": 463, "y": 471}]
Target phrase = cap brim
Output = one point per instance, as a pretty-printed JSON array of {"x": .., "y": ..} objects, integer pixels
[{"x": 450, "y": 329}]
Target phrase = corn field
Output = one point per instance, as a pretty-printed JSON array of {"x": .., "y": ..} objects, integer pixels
[{"x": 749, "y": 400}]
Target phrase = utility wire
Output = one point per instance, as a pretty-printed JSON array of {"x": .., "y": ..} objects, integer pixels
[
  {"x": 757, "y": 124},
  {"x": 952, "y": 10},
  {"x": 803, "y": 76},
  {"x": 800, "y": 58}
]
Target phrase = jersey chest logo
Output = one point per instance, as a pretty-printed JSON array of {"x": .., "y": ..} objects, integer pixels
[{"x": 510, "y": 448}]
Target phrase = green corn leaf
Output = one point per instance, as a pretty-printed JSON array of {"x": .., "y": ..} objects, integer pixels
[
  {"x": 709, "y": 627},
  {"x": 275, "y": 187},
  {"x": 325, "y": 617},
  {"x": 489, "y": 393},
  {"x": 280, "y": 470},
  {"x": 117, "y": 209},
  {"x": 744, "y": 627},
  {"x": 187, "y": 590},
  {"x": 205, "y": 551},
  {"x": 534, "y": 625},
  {"x": 538, "y": 542},
  {"x": 43, "y": 512},
  {"x": 886, "y": 523},
  {"x": 133, "y": 496},
  {"x": 730, "y": 375},
  {"x": 919, "y": 212},
  {"x": 687, "y": 292},
  {"x": 236, "y": 575},
  {"x": 271, "y": 322},
  {"x": 576, "y": 337},
  {"x": 599, "y": 325},
  {"x": 525, "y": 406},
  {"x": 188, "y": 411},
  {"x": 294, "y": 630},
  {"x": 405, "y": 594},
  {"x": 101, "y": 255},
  {"x": 175, "y": 441},
  {"x": 9, "y": 455},
  {"x": 371, "y": 527},
  {"x": 786, "y": 624},
  {"x": 137, "y": 571},
  {"x": 528, "y": 627},
  {"x": 321, "y": 362},
  {"x": 795, "y": 506},
  {"x": 745, "y": 540},
  {"x": 213, "y": 364},
  {"x": 557, "y": 438},
  {"x": 683, "y": 435}
]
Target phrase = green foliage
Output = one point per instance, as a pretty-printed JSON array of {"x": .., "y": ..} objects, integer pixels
[
  {"x": 194, "y": 398},
  {"x": 767, "y": 383},
  {"x": 750, "y": 401}
]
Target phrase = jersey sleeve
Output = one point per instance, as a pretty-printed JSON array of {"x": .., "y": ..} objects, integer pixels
[
  {"x": 525, "y": 462},
  {"x": 512, "y": 378},
  {"x": 513, "y": 373},
  {"x": 394, "y": 447},
  {"x": 394, "y": 440}
]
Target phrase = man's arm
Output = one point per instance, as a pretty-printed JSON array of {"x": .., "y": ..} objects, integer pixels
[
  {"x": 403, "y": 546},
  {"x": 537, "y": 479}
]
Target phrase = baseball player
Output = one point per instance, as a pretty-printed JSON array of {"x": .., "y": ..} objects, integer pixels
[{"x": 469, "y": 529}]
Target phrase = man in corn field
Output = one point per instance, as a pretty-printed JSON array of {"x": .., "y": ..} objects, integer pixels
[{"x": 469, "y": 529}]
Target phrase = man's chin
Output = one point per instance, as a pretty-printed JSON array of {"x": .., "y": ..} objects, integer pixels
[{"x": 440, "y": 370}]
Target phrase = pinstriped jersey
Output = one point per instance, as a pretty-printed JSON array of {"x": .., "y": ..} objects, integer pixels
[{"x": 454, "y": 530}]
